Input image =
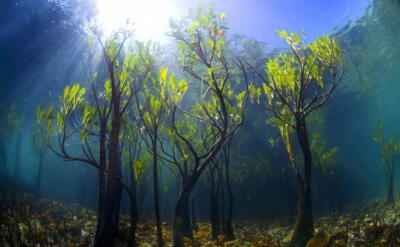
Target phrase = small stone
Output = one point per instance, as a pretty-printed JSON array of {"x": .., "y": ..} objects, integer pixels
[{"x": 84, "y": 234}]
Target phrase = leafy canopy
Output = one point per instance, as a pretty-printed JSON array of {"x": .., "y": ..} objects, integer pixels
[
  {"x": 298, "y": 81},
  {"x": 389, "y": 147}
]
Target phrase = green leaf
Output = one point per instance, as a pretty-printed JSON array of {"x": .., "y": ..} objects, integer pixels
[
  {"x": 83, "y": 135},
  {"x": 60, "y": 123},
  {"x": 210, "y": 43},
  {"x": 183, "y": 86},
  {"x": 283, "y": 34},
  {"x": 296, "y": 38},
  {"x": 181, "y": 46},
  {"x": 66, "y": 91},
  {"x": 138, "y": 167},
  {"x": 240, "y": 98},
  {"x": 209, "y": 70},
  {"x": 107, "y": 88},
  {"x": 38, "y": 114},
  {"x": 163, "y": 75},
  {"x": 82, "y": 92}
]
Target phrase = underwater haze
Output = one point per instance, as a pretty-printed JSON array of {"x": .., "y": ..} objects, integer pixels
[{"x": 199, "y": 123}]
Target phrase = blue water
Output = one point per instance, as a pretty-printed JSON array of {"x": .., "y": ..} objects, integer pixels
[{"x": 43, "y": 49}]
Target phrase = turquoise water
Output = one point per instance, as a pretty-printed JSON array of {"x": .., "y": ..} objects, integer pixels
[{"x": 44, "y": 48}]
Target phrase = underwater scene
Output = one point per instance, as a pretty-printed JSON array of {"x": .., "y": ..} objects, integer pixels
[{"x": 199, "y": 123}]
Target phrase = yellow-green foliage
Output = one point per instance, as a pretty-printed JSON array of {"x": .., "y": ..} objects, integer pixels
[
  {"x": 45, "y": 116},
  {"x": 290, "y": 74},
  {"x": 68, "y": 103},
  {"x": 389, "y": 147},
  {"x": 201, "y": 41},
  {"x": 128, "y": 71},
  {"x": 295, "y": 83},
  {"x": 12, "y": 121},
  {"x": 324, "y": 158},
  {"x": 157, "y": 94},
  {"x": 138, "y": 167}
]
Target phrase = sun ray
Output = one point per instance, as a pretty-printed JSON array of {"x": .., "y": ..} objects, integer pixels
[{"x": 150, "y": 18}]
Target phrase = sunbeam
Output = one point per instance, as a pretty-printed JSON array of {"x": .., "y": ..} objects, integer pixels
[{"x": 150, "y": 18}]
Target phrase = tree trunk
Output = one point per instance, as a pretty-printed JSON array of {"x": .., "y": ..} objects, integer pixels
[
  {"x": 3, "y": 156},
  {"x": 194, "y": 225},
  {"x": 17, "y": 167},
  {"x": 100, "y": 206},
  {"x": 185, "y": 193},
  {"x": 186, "y": 227},
  {"x": 229, "y": 225},
  {"x": 101, "y": 182},
  {"x": 134, "y": 221},
  {"x": 390, "y": 197},
  {"x": 39, "y": 176},
  {"x": 221, "y": 196},
  {"x": 108, "y": 228},
  {"x": 134, "y": 214},
  {"x": 214, "y": 217},
  {"x": 304, "y": 228},
  {"x": 156, "y": 190},
  {"x": 180, "y": 207}
]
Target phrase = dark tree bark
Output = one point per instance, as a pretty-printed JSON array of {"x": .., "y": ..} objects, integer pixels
[
  {"x": 304, "y": 228},
  {"x": 193, "y": 215},
  {"x": 289, "y": 193},
  {"x": 134, "y": 214},
  {"x": 156, "y": 190},
  {"x": 192, "y": 180},
  {"x": 214, "y": 211},
  {"x": 224, "y": 124},
  {"x": 179, "y": 210},
  {"x": 390, "y": 156},
  {"x": 229, "y": 225},
  {"x": 107, "y": 230},
  {"x": 110, "y": 112},
  {"x": 3, "y": 156},
  {"x": 152, "y": 129},
  {"x": 300, "y": 99},
  {"x": 221, "y": 196},
  {"x": 101, "y": 179},
  {"x": 185, "y": 193},
  {"x": 186, "y": 227}
]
